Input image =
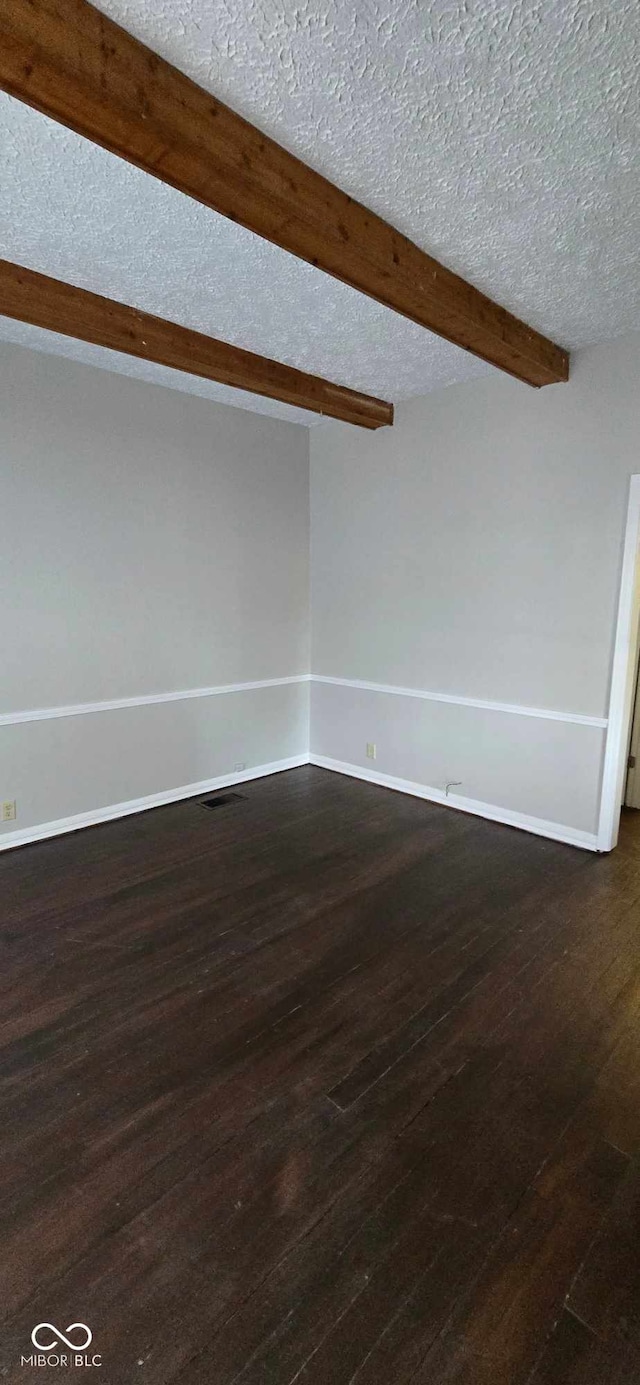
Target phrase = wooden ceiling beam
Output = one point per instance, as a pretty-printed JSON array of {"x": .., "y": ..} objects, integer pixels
[
  {"x": 70, "y": 61},
  {"x": 45, "y": 302}
]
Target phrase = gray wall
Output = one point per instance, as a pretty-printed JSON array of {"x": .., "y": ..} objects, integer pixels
[
  {"x": 151, "y": 542},
  {"x": 474, "y": 550}
]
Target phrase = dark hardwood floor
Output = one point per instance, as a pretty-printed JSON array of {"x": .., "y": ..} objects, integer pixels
[{"x": 327, "y": 1085}]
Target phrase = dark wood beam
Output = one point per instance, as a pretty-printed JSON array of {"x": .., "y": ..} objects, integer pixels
[
  {"x": 45, "y": 302},
  {"x": 65, "y": 58}
]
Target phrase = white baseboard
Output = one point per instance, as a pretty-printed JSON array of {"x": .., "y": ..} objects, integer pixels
[
  {"x": 539, "y": 826},
  {"x": 140, "y": 805}
]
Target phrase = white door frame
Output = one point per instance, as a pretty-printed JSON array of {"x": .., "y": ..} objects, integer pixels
[{"x": 623, "y": 677}]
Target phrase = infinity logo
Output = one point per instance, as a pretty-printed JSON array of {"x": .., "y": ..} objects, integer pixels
[{"x": 73, "y": 1346}]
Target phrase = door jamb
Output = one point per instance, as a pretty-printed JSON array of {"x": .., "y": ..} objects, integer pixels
[{"x": 623, "y": 677}]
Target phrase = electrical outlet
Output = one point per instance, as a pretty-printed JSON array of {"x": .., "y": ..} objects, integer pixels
[
  {"x": 239, "y": 766},
  {"x": 371, "y": 750},
  {"x": 9, "y": 810}
]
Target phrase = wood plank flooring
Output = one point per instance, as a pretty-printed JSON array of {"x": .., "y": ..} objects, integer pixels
[{"x": 328, "y": 1085}]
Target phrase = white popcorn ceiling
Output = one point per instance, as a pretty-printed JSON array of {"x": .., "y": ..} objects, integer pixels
[
  {"x": 74, "y": 211},
  {"x": 501, "y": 137}
]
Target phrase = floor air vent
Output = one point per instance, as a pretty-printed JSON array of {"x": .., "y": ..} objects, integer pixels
[{"x": 221, "y": 800}]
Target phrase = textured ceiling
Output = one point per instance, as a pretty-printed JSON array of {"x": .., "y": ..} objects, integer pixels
[
  {"x": 502, "y": 137},
  {"x": 23, "y": 334},
  {"x": 74, "y": 211}
]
